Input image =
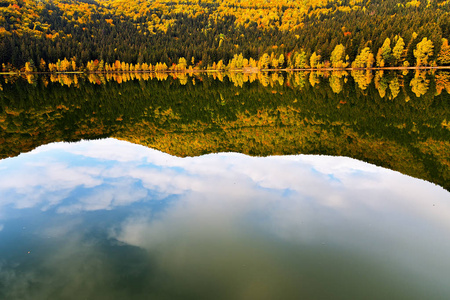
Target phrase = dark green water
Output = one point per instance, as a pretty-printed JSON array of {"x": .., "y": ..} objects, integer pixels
[{"x": 110, "y": 219}]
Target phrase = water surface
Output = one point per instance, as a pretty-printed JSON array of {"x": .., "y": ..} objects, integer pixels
[
  {"x": 225, "y": 186},
  {"x": 108, "y": 219}
]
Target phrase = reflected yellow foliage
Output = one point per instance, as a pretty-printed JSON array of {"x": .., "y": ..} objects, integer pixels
[
  {"x": 381, "y": 83},
  {"x": 183, "y": 78},
  {"x": 31, "y": 78},
  {"x": 277, "y": 78},
  {"x": 394, "y": 86},
  {"x": 264, "y": 79},
  {"x": 419, "y": 84},
  {"x": 65, "y": 79},
  {"x": 161, "y": 76},
  {"x": 336, "y": 81},
  {"x": 442, "y": 82},
  {"x": 237, "y": 78},
  {"x": 445, "y": 124},
  {"x": 362, "y": 78},
  {"x": 314, "y": 78},
  {"x": 299, "y": 80}
]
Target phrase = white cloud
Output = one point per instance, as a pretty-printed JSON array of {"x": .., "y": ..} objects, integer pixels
[{"x": 51, "y": 173}]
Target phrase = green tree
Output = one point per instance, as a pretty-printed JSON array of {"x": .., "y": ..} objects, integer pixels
[
  {"x": 300, "y": 59},
  {"x": 384, "y": 53}
]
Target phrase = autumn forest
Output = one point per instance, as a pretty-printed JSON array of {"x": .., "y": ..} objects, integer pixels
[{"x": 161, "y": 35}]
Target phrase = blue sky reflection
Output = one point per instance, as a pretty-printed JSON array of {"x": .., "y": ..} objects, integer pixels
[{"x": 210, "y": 206}]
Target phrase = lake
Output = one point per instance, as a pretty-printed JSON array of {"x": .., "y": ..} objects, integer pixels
[{"x": 225, "y": 186}]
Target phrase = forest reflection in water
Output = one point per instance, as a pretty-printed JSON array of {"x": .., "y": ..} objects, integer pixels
[
  {"x": 107, "y": 219},
  {"x": 398, "y": 120}
]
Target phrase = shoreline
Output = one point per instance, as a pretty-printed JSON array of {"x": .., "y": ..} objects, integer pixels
[{"x": 244, "y": 70}]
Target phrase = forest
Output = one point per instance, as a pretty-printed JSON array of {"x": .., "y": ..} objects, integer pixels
[{"x": 160, "y": 35}]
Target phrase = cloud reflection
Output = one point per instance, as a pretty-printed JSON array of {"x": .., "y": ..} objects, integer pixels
[
  {"x": 108, "y": 173},
  {"x": 271, "y": 220}
]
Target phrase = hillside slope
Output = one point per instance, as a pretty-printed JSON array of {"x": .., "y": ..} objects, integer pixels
[{"x": 207, "y": 32}]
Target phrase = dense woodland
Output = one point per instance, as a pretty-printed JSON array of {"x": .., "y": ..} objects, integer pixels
[
  {"x": 138, "y": 35},
  {"x": 391, "y": 126}
]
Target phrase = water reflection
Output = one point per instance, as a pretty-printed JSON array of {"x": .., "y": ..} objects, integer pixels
[
  {"x": 419, "y": 82},
  {"x": 108, "y": 219},
  {"x": 382, "y": 123}
]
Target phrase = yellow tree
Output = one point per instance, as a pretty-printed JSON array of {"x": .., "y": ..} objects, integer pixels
[
  {"x": 423, "y": 52},
  {"x": 28, "y": 67},
  {"x": 117, "y": 65},
  {"x": 42, "y": 65},
  {"x": 239, "y": 61},
  {"x": 52, "y": 67},
  {"x": 275, "y": 63},
  {"x": 337, "y": 57},
  {"x": 364, "y": 59},
  {"x": 281, "y": 60},
  {"x": 314, "y": 60},
  {"x": 219, "y": 65},
  {"x": 182, "y": 63},
  {"x": 398, "y": 50},
  {"x": 264, "y": 61},
  {"x": 444, "y": 55},
  {"x": 101, "y": 66}
]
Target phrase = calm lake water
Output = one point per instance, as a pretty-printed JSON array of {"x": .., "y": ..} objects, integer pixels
[{"x": 263, "y": 186}]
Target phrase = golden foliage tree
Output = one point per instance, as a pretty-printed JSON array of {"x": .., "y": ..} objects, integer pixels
[
  {"x": 364, "y": 59},
  {"x": 444, "y": 55},
  {"x": 337, "y": 57},
  {"x": 423, "y": 52}
]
